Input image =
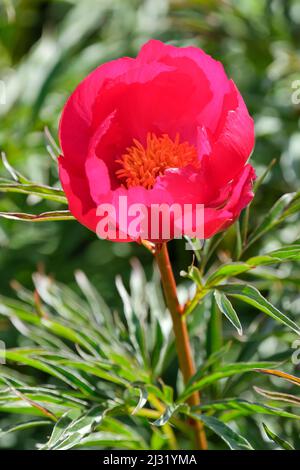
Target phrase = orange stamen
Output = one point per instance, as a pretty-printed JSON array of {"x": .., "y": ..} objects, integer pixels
[{"x": 140, "y": 166}]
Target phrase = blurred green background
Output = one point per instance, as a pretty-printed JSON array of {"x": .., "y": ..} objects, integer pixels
[{"x": 47, "y": 47}]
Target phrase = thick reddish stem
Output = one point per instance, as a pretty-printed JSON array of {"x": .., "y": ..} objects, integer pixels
[{"x": 182, "y": 341}]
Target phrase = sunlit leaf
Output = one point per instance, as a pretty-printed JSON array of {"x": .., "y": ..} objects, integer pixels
[
  {"x": 285, "y": 253},
  {"x": 278, "y": 396},
  {"x": 60, "y": 427},
  {"x": 227, "y": 309},
  {"x": 252, "y": 296},
  {"x": 245, "y": 407},
  {"x": 167, "y": 415},
  {"x": 44, "y": 192},
  {"x": 143, "y": 397},
  {"x": 107, "y": 439},
  {"x": 78, "y": 428},
  {"x": 283, "y": 375},
  {"x": 225, "y": 271},
  {"x": 227, "y": 370},
  {"x": 44, "y": 217}
]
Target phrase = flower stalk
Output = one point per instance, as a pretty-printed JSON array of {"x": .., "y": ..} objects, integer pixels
[{"x": 182, "y": 341}]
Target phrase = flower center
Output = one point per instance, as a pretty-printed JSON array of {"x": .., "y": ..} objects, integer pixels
[{"x": 140, "y": 166}]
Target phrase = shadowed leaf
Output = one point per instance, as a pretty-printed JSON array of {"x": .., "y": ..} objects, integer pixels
[
  {"x": 278, "y": 440},
  {"x": 234, "y": 440}
]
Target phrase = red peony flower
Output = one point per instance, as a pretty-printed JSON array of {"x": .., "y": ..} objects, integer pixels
[{"x": 167, "y": 128}]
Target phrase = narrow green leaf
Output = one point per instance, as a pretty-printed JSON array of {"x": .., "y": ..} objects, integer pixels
[
  {"x": 26, "y": 425},
  {"x": 272, "y": 218},
  {"x": 245, "y": 407},
  {"x": 246, "y": 215},
  {"x": 44, "y": 217},
  {"x": 292, "y": 208},
  {"x": 101, "y": 311},
  {"x": 168, "y": 413},
  {"x": 278, "y": 396},
  {"x": 45, "y": 192},
  {"x": 239, "y": 241},
  {"x": 262, "y": 260},
  {"x": 60, "y": 427},
  {"x": 77, "y": 380},
  {"x": 143, "y": 397},
  {"x": 84, "y": 424},
  {"x": 61, "y": 373},
  {"x": 289, "y": 252},
  {"x": 45, "y": 395},
  {"x": 96, "y": 370},
  {"x": 68, "y": 333},
  {"x": 16, "y": 378},
  {"x": 234, "y": 440},
  {"x": 209, "y": 248},
  {"x": 20, "y": 408},
  {"x": 225, "y": 271},
  {"x": 282, "y": 375},
  {"x": 252, "y": 296},
  {"x": 227, "y": 370},
  {"x": 55, "y": 148},
  {"x": 16, "y": 175},
  {"x": 278, "y": 440},
  {"x": 69, "y": 442},
  {"x": 227, "y": 309},
  {"x": 168, "y": 393},
  {"x": 135, "y": 329},
  {"x": 159, "y": 345},
  {"x": 193, "y": 274},
  {"x": 108, "y": 439},
  {"x": 285, "y": 253},
  {"x": 46, "y": 412},
  {"x": 213, "y": 360},
  {"x": 260, "y": 180}
]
